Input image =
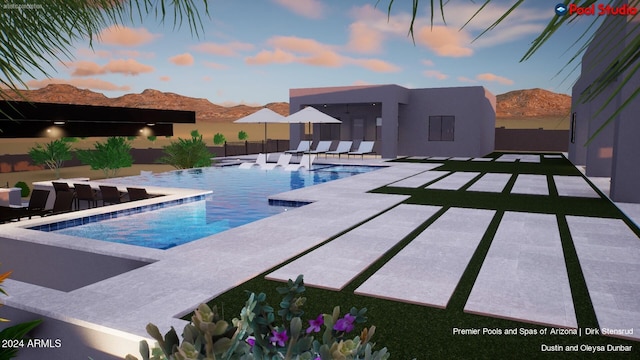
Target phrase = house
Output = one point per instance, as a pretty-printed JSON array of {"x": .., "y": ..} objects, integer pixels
[
  {"x": 456, "y": 121},
  {"x": 615, "y": 151}
]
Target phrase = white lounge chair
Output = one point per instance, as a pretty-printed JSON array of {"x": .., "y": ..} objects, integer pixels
[
  {"x": 260, "y": 160},
  {"x": 302, "y": 147},
  {"x": 283, "y": 161},
  {"x": 305, "y": 162},
  {"x": 343, "y": 148},
  {"x": 366, "y": 147},
  {"x": 321, "y": 148}
]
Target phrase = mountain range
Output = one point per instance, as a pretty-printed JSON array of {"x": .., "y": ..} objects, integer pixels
[{"x": 531, "y": 103}]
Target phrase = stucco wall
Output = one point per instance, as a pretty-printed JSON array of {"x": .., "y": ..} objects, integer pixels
[{"x": 474, "y": 111}]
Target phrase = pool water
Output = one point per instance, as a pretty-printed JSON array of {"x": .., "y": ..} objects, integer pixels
[{"x": 239, "y": 197}]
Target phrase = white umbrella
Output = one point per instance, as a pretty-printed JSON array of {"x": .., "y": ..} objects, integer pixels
[
  {"x": 310, "y": 115},
  {"x": 262, "y": 116}
]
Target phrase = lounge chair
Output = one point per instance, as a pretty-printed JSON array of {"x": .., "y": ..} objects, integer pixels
[
  {"x": 137, "y": 194},
  {"x": 36, "y": 207},
  {"x": 366, "y": 147},
  {"x": 302, "y": 147},
  {"x": 283, "y": 161},
  {"x": 110, "y": 195},
  {"x": 63, "y": 186},
  {"x": 321, "y": 148},
  {"x": 37, "y": 203},
  {"x": 343, "y": 148},
  {"x": 305, "y": 162},
  {"x": 63, "y": 203},
  {"x": 260, "y": 160},
  {"x": 84, "y": 192}
]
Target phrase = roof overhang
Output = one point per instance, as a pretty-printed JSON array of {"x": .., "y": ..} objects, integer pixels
[{"x": 21, "y": 119}]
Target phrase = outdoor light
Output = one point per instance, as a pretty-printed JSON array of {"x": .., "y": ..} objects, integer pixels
[
  {"x": 151, "y": 124},
  {"x": 58, "y": 123}
]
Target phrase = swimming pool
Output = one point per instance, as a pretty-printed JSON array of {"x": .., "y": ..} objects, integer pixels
[{"x": 239, "y": 197}]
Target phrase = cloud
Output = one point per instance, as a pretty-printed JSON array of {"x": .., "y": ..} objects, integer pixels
[
  {"x": 182, "y": 60},
  {"x": 289, "y": 49},
  {"x": 106, "y": 54},
  {"x": 364, "y": 39},
  {"x": 206, "y": 78},
  {"x": 83, "y": 83},
  {"x": 375, "y": 65},
  {"x": 445, "y": 41},
  {"x": 312, "y": 9},
  {"x": 361, "y": 83},
  {"x": 428, "y": 63},
  {"x": 267, "y": 57},
  {"x": 228, "y": 49},
  {"x": 165, "y": 78},
  {"x": 435, "y": 74},
  {"x": 118, "y": 66},
  {"x": 126, "y": 36},
  {"x": 297, "y": 44},
  {"x": 214, "y": 65},
  {"x": 494, "y": 78}
]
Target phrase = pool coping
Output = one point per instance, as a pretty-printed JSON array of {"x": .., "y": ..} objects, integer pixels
[{"x": 108, "y": 304}]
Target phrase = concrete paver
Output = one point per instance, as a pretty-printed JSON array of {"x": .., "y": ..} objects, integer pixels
[
  {"x": 427, "y": 271},
  {"x": 335, "y": 264},
  {"x": 524, "y": 275},
  {"x": 609, "y": 255}
]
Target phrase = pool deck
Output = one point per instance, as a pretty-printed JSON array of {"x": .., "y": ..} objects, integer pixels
[{"x": 177, "y": 280}]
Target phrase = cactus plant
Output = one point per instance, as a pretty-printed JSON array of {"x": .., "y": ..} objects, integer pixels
[{"x": 257, "y": 334}]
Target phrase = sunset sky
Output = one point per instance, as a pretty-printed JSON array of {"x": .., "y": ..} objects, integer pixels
[{"x": 254, "y": 51}]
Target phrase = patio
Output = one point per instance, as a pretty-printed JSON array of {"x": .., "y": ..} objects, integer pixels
[{"x": 519, "y": 212}]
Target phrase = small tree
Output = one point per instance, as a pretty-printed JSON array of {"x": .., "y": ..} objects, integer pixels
[
  {"x": 53, "y": 154},
  {"x": 187, "y": 153},
  {"x": 219, "y": 139},
  {"x": 242, "y": 135},
  {"x": 109, "y": 156}
]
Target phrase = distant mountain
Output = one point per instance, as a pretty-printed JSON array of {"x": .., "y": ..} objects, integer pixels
[
  {"x": 514, "y": 104},
  {"x": 152, "y": 99},
  {"x": 532, "y": 103}
]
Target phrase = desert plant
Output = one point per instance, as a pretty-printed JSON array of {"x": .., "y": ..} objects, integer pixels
[
  {"x": 24, "y": 188},
  {"x": 259, "y": 334},
  {"x": 187, "y": 153},
  {"x": 219, "y": 139},
  {"x": 109, "y": 156},
  {"x": 242, "y": 135},
  {"x": 152, "y": 138},
  {"x": 53, "y": 154}
]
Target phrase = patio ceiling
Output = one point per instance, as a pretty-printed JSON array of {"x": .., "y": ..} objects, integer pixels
[{"x": 25, "y": 120}]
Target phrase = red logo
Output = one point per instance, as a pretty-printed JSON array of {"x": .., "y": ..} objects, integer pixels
[{"x": 602, "y": 9}]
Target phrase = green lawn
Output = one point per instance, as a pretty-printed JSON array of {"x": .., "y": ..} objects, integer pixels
[{"x": 421, "y": 332}]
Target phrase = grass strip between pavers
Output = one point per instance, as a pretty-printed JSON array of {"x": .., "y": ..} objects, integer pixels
[{"x": 412, "y": 331}]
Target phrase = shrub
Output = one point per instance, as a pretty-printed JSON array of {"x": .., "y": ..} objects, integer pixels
[
  {"x": 242, "y": 135},
  {"x": 53, "y": 154},
  {"x": 219, "y": 139},
  {"x": 109, "y": 156},
  {"x": 152, "y": 138},
  {"x": 25, "y": 191},
  {"x": 187, "y": 153},
  {"x": 258, "y": 335}
]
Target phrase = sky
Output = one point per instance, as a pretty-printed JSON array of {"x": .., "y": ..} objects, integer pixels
[{"x": 253, "y": 51}]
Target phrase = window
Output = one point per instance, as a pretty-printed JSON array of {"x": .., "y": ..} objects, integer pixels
[
  {"x": 441, "y": 128},
  {"x": 573, "y": 128}
]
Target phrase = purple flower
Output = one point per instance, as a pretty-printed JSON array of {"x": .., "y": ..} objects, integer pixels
[
  {"x": 251, "y": 341},
  {"x": 314, "y": 325},
  {"x": 279, "y": 337},
  {"x": 345, "y": 324}
]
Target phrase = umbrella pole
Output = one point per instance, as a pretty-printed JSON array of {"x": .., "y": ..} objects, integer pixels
[{"x": 264, "y": 144}]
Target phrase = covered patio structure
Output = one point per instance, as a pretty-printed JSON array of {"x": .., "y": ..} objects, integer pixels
[
  {"x": 427, "y": 122},
  {"x": 22, "y": 119}
]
